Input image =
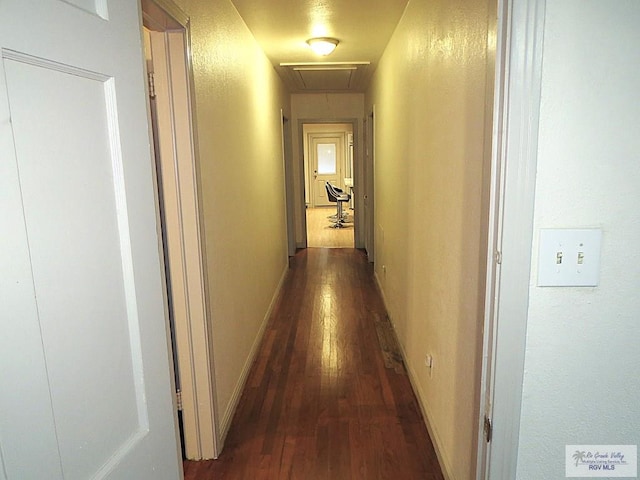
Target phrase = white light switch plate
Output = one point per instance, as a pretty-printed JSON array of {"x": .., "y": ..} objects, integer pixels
[{"x": 569, "y": 257}]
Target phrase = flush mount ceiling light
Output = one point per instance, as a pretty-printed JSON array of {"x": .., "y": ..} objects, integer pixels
[{"x": 323, "y": 45}]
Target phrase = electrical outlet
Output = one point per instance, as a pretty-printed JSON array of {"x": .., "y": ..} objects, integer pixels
[{"x": 428, "y": 362}]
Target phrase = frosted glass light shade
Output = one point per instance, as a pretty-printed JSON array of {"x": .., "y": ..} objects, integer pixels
[{"x": 323, "y": 45}]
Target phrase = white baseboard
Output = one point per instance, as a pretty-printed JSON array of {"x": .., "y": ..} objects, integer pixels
[
  {"x": 225, "y": 422},
  {"x": 426, "y": 415}
]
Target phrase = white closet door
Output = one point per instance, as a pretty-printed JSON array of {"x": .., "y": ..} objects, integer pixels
[{"x": 84, "y": 359}]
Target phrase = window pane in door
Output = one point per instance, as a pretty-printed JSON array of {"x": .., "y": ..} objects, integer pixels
[{"x": 326, "y": 158}]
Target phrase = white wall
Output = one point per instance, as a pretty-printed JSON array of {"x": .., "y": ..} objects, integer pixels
[
  {"x": 581, "y": 382},
  {"x": 331, "y": 107},
  {"x": 238, "y": 100},
  {"x": 432, "y": 108}
]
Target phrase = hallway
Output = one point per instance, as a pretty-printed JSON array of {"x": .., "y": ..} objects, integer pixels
[
  {"x": 419, "y": 193},
  {"x": 322, "y": 400}
]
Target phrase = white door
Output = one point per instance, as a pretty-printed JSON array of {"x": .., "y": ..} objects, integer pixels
[
  {"x": 327, "y": 159},
  {"x": 84, "y": 357}
]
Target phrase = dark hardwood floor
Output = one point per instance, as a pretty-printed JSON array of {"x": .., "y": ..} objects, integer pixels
[{"x": 319, "y": 402}]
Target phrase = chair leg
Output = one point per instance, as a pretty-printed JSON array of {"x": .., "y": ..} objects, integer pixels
[
  {"x": 337, "y": 222},
  {"x": 341, "y": 214}
]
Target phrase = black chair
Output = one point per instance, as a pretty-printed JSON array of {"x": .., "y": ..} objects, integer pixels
[
  {"x": 337, "y": 192},
  {"x": 337, "y": 196}
]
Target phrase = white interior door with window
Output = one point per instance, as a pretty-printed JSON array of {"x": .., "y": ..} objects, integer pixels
[
  {"x": 327, "y": 161},
  {"x": 84, "y": 355}
]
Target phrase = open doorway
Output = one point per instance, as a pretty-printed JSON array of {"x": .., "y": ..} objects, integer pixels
[
  {"x": 328, "y": 159},
  {"x": 165, "y": 33},
  {"x": 368, "y": 173},
  {"x": 287, "y": 159}
]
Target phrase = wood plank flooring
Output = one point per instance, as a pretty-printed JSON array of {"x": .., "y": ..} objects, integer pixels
[
  {"x": 319, "y": 402},
  {"x": 320, "y": 233}
]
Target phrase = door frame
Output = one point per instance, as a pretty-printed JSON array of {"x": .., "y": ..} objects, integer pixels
[
  {"x": 312, "y": 139},
  {"x": 193, "y": 346},
  {"x": 287, "y": 160},
  {"x": 368, "y": 197},
  {"x": 518, "y": 80},
  {"x": 357, "y": 175}
]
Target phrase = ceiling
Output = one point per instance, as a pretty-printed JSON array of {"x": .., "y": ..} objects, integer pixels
[{"x": 282, "y": 28}]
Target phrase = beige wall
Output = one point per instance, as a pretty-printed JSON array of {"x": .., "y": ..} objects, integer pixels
[
  {"x": 432, "y": 113},
  {"x": 331, "y": 107},
  {"x": 238, "y": 99}
]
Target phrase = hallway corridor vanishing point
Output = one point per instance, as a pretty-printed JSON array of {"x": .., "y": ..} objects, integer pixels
[{"x": 323, "y": 401}]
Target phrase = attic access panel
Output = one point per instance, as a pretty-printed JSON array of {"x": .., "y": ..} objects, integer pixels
[
  {"x": 313, "y": 79},
  {"x": 324, "y": 76}
]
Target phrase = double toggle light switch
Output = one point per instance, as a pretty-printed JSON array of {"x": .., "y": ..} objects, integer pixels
[{"x": 569, "y": 257}]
